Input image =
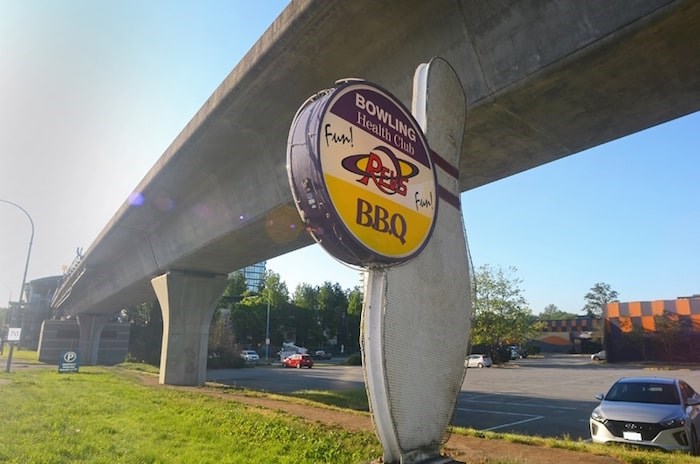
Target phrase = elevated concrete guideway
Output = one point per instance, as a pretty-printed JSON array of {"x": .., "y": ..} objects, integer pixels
[{"x": 543, "y": 80}]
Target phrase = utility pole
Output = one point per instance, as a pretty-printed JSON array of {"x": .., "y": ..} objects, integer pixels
[{"x": 24, "y": 279}]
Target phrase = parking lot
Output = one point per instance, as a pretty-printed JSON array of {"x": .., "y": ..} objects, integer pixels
[{"x": 547, "y": 396}]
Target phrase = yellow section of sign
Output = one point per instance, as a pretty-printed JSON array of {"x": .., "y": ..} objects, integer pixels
[{"x": 378, "y": 222}]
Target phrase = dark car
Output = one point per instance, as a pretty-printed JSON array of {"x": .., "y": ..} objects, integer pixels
[
  {"x": 320, "y": 354},
  {"x": 648, "y": 411}
]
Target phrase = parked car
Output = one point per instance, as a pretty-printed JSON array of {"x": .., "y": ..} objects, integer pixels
[
  {"x": 599, "y": 356},
  {"x": 517, "y": 352},
  {"x": 250, "y": 356},
  {"x": 478, "y": 360},
  {"x": 320, "y": 354},
  {"x": 648, "y": 411},
  {"x": 298, "y": 360}
]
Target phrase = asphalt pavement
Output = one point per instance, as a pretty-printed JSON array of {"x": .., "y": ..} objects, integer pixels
[{"x": 550, "y": 396}]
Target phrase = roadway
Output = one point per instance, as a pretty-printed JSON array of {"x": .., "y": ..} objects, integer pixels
[{"x": 550, "y": 397}]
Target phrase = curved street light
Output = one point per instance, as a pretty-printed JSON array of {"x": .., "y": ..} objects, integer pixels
[{"x": 24, "y": 276}]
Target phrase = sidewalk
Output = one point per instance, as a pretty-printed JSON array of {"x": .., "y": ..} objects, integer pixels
[{"x": 20, "y": 363}]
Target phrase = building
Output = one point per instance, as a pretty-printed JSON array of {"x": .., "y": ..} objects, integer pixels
[
  {"x": 661, "y": 330},
  {"x": 37, "y": 309},
  {"x": 579, "y": 335},
  {"x": 42, "y": 331},
  {"x": 255, "y": 276}
]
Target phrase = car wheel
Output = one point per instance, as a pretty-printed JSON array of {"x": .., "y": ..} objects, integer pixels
[
  {"x": 694, "y": 442},
  {"x": 479, "y": 365},
  {"x": 299, "y": 366},
  {"x": 595, "y": 358}
]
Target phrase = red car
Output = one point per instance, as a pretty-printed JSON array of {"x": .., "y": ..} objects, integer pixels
[{"x": 298, "y": 361}]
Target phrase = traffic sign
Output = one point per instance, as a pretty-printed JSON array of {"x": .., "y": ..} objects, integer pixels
[{"x": 13, "y": 334}]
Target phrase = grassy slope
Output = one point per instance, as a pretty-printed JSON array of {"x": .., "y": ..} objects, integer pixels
[
  {"x": 97, "y": 416},
  {"x": 106, "y": 415}
]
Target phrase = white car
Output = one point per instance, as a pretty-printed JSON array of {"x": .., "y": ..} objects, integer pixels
[
  {"x": 599, "y": 356},
  {"x": 648, "y": 411},
  {"x": 250, "y": 356},
  {"x": 478, "y": 360}
]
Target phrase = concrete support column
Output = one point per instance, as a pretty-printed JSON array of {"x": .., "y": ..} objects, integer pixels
[
  {"x": 187, "y": 300},
  {"x": 91, "y": 326}
]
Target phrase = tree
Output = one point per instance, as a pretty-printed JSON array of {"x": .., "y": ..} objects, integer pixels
[
  {"x": 237, "y": 285},
  {"x": 501, "y": 314},
  {"x": 668, "y": 330},
  {"x": 355, "y": 302},
  {"x": 332, "y": 308},
  {"x": 274, "y": 290},
  {"x": 637, "y": 339},
  {"x": 146, "y": 332},
  {"x": 221, "y": 339},
  {"x": 248, "y": 319},
  {"x": 596, "y": 299},
  {"x": 306, "y": 296},
  {"x": 552, "y": 313}
]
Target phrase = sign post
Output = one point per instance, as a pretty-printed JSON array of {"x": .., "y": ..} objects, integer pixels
[
  {"x": 13, "y": 336},
  {"x": 364, "y": 183},
  {"x": 425, "y": 303}
]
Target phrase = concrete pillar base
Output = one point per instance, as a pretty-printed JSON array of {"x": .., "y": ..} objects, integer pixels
[
  {"x": 187, "y": 300},
  {"x": 91, "y": 326}
]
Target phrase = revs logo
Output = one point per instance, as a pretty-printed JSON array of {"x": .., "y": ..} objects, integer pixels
[{"x": 388, "y": 173}]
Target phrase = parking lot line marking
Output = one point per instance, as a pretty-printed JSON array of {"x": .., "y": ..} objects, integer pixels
[
  {"x": 515, "y": 423},
  {"x": 510, "y": 424},
  {"x": 531, "y": 405},
  {"x": 489, "y": 411}
]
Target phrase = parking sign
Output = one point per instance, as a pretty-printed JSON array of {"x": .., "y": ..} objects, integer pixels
[{"x": 69, "y": 362}]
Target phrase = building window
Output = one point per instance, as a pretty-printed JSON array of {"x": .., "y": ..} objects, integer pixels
[{"x": 255, "y": 276}]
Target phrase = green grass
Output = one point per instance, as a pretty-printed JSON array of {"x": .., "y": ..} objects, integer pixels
[
  {"x": 99, "y": 416},
  {"x": 140, "y": 367},
  {"x": 629, "y": 455},
  {"x": 355, "y": 399},
  {"x": 105, "y": 415},
  {"x": 30, "y": 356}
]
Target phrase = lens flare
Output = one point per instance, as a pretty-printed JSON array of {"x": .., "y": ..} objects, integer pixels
[{"x": 136, "y": 199}]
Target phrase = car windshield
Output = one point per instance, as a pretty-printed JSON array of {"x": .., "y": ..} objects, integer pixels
[{"x": 643, "y": 392}]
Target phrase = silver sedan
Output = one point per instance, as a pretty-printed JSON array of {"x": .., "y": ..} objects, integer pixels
[{"x": 648, "y": 411}]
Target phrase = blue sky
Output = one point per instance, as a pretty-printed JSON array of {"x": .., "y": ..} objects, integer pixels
[
  {"x": 626, "y": 213},
  {"x": 93, "y": 92}
]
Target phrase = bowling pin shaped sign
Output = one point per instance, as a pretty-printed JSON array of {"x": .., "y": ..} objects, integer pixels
[{"x": 368, "y": 186}]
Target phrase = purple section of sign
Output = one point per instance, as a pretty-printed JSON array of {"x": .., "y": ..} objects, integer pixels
[{"x": 375, "y": 113}]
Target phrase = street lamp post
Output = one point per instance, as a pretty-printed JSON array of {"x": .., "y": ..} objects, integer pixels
[
  {"x": 24, "y": 276},
  {"x": 267, "y": 330}
]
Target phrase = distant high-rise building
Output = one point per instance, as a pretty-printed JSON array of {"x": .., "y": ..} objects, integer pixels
[{"x": 255, "y": 275}]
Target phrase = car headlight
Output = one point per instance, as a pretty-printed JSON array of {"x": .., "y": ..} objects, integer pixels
[
  {"x": 673, "y": 423},
  {"x": 598, "y": 417}
]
